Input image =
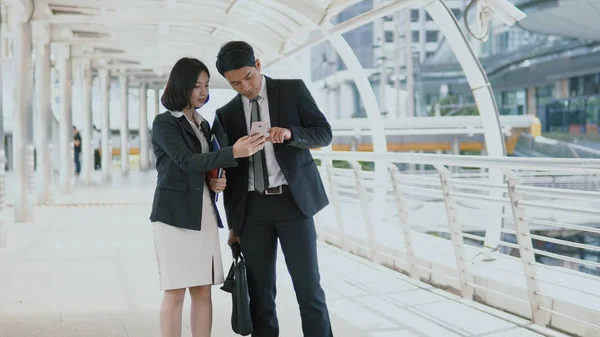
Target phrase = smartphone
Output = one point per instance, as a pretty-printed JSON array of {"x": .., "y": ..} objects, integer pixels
[{"x": 259, "y": 127}]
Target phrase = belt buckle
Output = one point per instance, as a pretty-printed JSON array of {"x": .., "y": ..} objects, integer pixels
[{"x": 277, "y": 190}]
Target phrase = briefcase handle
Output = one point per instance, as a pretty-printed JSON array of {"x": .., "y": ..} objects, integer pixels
[{"x": 236, "y": 250}]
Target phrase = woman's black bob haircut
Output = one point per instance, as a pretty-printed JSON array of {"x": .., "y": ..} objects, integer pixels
[{"x": 181, "y": 83}]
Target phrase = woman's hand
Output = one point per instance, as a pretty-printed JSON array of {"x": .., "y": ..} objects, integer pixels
[
  {"x": 217, "y": 185},
  {"x": 248, "y": 145}
]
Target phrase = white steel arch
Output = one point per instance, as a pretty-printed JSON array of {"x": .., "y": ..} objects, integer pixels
[{"x": 484, "y": 99}]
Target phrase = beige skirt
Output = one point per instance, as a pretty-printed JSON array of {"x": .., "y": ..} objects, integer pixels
[{"x": 188, "y": 258}]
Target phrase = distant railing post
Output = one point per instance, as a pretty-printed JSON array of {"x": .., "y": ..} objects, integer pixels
[
  {"x": 526, "y": 251},
  {"x": 454, "y": 224},
  {"x": 364, "y": 205},
  {"x": 2, "y": 198},
  {"x": 335, "y": 203},
  {"x": 404, "y": 225}
]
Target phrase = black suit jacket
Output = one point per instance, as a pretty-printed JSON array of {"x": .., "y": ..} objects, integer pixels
[
  {"x": 291, "y": 106},
  {"x": 181, "y": 167}
]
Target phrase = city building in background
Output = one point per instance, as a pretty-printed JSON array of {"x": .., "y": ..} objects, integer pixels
[{"x": 534, "y": 68}]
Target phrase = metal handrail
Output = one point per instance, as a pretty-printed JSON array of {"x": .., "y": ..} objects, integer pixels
[
  {"x": 581, "y": 165},
  {"x": 468, "y": 199}
]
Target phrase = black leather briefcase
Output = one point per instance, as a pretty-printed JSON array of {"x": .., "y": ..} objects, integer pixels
[{"x": 237, "y": 284}]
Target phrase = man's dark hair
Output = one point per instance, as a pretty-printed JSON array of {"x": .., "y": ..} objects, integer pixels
[
  {"x": 235, "y": 55},
  {"x": 181, "y": 83}
]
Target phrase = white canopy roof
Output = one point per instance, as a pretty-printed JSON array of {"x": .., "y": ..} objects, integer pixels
[
  {"x": 571, "y": 18},
  {"x": 148, "y": 36}
]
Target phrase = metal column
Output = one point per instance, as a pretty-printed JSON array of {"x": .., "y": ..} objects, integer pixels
[
  {"x": 66, "y": 121},
  {"x": 2, "y": 165},
  {"x": 143, "y": 129},
  {"x": 410, "y": 79},
  {"x": 23, "y": 131},
  {"x": 44, "y": 146},
  {"x": 87, "y": 147},
  {"x": 156, "y": 101},
  {"x": 124, "y": 125},
  {"x": 103, "y": 74}
]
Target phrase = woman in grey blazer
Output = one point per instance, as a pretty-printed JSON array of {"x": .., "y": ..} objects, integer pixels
[{"x": 184, "y": 215}]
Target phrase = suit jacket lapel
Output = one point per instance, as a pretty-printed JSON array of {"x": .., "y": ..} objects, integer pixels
[
  {"x": 273, "y": 94},
  {"x": 186, "y": 126}
]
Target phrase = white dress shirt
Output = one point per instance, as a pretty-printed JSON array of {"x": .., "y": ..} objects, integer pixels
[{"x": 276, "y": 177}]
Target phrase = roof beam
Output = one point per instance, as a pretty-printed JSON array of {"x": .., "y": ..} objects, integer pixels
[
  {"x": 178, "y": 15},
  {"x": 308, "y": 9}
]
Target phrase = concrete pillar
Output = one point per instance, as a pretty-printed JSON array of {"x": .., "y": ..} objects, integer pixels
[
  {"x": 143, "y": 129},
  {"x": 398, "y": 62},
  {"x": 67, "y": 163},
  {"x": 382, "y": 87},
  {"x": 43, "y": 108},
  {"x": 105, "y": 128},
  {"x": 156, "y": 102},
  {"x": 346, "y": 108},
  {"x": 23, "y": 130},
  {"x": 124, "y": 125},
  {"x": 423, "y": 35},
  {"x": 87, "y": 147},
  {"x": 2, "y": 164},
  {"x": 410, "y": 79},
  {"x": 332, "y": 99},
  {"x": 561, "y": 89},
  {"x": 321, "y": 96},
  {"x": 532, "y": 101}
]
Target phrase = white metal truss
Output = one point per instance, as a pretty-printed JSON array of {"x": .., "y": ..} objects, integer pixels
[{"x": 153, "y": 34}]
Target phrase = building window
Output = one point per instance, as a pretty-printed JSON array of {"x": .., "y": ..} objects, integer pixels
[
  {"x": 431, "y": 36},
  {"x": 429, "y": 54},
  {"x": 414, "y": 15},
  {"x": 457, "y": 12},
  {"x": 428, "y": 17},
  {"x": 415, "y": 36},
  {"x": 389, "y": 36},
  {"x": 388, "y": 18}
]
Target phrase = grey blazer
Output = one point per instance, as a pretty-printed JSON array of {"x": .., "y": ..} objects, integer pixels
[{"x": 181, "y": 168}]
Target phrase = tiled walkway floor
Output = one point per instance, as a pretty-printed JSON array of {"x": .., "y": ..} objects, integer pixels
[{"x": 84, "y": 271}]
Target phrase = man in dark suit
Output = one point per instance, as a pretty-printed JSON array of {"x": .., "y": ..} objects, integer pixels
[{"x": 275, "y": 193}]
